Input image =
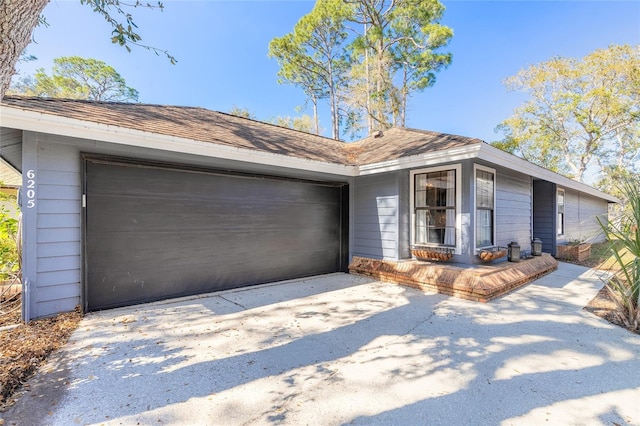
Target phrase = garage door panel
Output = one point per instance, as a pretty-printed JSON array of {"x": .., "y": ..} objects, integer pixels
[
  {"x": 154, "y": 232},
  {"x": 188, "y": 248},
  {"x": 163, "y": 183},
  {"x": 137, "y": 215},
  {"x": 207, "y": 274}
]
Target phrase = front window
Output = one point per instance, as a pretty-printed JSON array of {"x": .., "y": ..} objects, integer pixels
[
  {"x": 435, "y": 208},
  {"x": 560, "y": 212},
  {"x": 485, "y": 207}
]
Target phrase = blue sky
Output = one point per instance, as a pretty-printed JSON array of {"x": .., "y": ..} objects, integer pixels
[{"x": 221, "y": 47}]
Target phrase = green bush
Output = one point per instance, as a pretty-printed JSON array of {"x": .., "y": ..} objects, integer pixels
[
  {"x": 9, "y": 250},
  {"x": 624, "y": 234}
]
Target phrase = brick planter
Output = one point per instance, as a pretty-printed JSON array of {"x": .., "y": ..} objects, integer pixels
[
  {"x": 575, "y": 252},
  {"x": 472, "y": 283}
]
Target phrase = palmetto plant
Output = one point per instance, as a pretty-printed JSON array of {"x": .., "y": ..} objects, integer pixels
[{"x": 624, "y": 234}]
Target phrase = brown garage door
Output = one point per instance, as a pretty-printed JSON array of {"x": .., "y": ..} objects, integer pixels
[{"x": 155, "y": 232}]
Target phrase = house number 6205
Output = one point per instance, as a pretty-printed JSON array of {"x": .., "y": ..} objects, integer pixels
[{"x": 31, "y": 189}]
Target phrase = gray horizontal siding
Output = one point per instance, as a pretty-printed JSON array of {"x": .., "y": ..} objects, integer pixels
[
  {"x": 513, "y": 209},
  {"x": 11, "y": 147},
  {"x": 52, "y": 293},
  {"x": 58, "y": 225},
  {"x": 581, "y": 212},
  {"x": 54, "y": 305},
  {"x": 59, "y": 277},
  {"x": 58, "y": 249},
  {"x": 375, "y": 222}
]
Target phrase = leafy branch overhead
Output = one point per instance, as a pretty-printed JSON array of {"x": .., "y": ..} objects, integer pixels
[
  {"x": 125, "y": 31},
  {"x": 18, "y": 19}
]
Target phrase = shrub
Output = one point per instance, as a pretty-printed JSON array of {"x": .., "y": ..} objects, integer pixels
[
  {"x": 624, "y": 234},
  {"x": 9, "y": 250}
]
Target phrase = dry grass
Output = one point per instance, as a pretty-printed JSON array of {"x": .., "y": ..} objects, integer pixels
[{"x": 24, "y": 348}]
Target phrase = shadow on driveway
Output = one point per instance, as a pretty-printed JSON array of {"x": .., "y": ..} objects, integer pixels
[{"x": 341, "y": 349}]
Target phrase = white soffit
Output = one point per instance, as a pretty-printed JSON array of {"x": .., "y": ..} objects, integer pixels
[
  {"x": 422, "y": 160},
  {"x": 53, "y": 124}
]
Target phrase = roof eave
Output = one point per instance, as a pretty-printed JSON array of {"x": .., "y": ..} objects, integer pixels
[
  {"x": 496, "y": 156},
  {"x": 24, "y": 119}
]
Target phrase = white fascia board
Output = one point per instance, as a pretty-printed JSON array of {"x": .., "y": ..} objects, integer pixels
[
  {"x": 53, "y": 124},
  {"x": 496, "y": 156},
  {"x": 422, "y": 160}
]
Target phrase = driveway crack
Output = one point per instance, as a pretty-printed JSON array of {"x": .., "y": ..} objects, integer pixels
[
  {"x": 399, "y": 336},
  {"x": 244, "y": 308},
  {"x": 420, "y": 323}
]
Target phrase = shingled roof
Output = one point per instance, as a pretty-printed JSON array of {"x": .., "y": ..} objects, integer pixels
[
  {"x": 204, "y": 125},
  {"x": 400, "y": 142}
]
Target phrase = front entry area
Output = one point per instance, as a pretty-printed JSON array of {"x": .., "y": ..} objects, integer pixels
[{"x": 157, "y": 231}]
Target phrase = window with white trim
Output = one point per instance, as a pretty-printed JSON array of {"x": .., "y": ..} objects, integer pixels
[
  {"x": 435, "y": 203},
  {"x": 560, "y": 209},
  {"x": 485, "y": 187}
]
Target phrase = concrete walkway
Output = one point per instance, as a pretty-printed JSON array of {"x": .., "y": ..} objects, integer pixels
[{"x": 341, "y": 349}]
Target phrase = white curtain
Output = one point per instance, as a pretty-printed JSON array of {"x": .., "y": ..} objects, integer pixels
[
  {"x": 484, "y": 208},
  {"x": 450, "y": 230},
  {"x": 483, "y": 228}
]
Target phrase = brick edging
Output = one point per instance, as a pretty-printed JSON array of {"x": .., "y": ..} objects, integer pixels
[{"x": 478, "y": 284}]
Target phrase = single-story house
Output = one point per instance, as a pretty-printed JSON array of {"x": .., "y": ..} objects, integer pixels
[{"x": 128, "y": 203}]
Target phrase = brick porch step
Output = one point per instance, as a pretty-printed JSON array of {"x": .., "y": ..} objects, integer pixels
[{"x": 479, "y": 282}]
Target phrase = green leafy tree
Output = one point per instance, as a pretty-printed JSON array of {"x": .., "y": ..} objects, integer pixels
[
  {"x": 18, "y": 19},
  {"x": 397, "y": 52},
  {"x": 313, "y": 57},
  {"x": 9, "y": 250},
  {"x": 416, "y": 64},
  {"x": 304, "y": 123},
  {"x": 366, "y": 56},
  {"x": 74, "y": 77},
  {"x": 241, "y": 112},
  {"x": 579, "y": 110}
]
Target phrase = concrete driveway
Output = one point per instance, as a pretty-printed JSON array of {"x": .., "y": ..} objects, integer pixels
[{"x": 341, "y": 349}]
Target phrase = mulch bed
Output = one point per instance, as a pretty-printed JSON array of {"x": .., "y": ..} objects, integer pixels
[
  {"x": 25, "y": 347},
  {"x": 603, "y": 306}
]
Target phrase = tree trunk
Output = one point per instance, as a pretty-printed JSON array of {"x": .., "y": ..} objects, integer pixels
[
  {"x": 382, "y": 92},
  {"x": 316, "y": 124},
  {"x": 333, "y": 105},
  {"x": 368, "y": 79},
  {"x": 18, "y": 18},
  {"x": 334, "y": 112},
  {"x": 405, "y": 95}
]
